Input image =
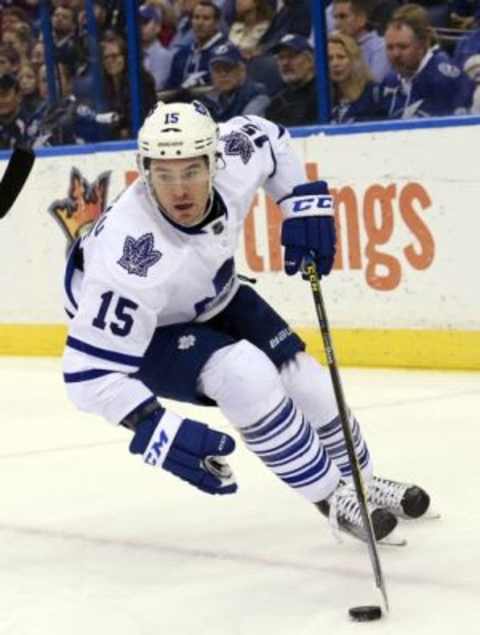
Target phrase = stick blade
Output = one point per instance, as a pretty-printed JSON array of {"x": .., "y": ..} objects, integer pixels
[{"x": 17, "y": 172}]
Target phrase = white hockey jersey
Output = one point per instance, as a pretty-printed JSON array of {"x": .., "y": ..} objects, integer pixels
[{"x": 140, "y": 272}]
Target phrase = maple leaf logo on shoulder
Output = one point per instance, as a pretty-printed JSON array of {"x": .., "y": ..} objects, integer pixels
[
  {"x": 139, "y": 255},
  {"x": 238, "y": 144}
]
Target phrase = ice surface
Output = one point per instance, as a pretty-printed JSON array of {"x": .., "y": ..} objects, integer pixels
[{"x": 95, "y": 542}]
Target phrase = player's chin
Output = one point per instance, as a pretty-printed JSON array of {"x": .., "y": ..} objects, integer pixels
[{"x": 186, "y": 216}]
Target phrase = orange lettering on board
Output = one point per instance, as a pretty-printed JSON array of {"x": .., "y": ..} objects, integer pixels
[
  {"x": 345, "y": 198},
  {"x": 410, "y": 193},
  {"x": 378, "y": 197},
  {"x": 312, "y": 171}
]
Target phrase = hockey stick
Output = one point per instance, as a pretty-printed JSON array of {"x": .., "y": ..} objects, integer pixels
[
  {"x": 18, "y": 168},
  {"x": 314, "y": 280}
]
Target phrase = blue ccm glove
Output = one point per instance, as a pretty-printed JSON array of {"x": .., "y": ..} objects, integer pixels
[
  {"x": 308, "y": 231},
  {"x": 189, "y": 449}
]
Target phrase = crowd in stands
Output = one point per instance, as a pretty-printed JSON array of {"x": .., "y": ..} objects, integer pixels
[{"x": 387, "y": 59}]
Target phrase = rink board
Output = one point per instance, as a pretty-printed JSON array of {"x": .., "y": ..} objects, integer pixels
[{"x": 404, "y": 291}]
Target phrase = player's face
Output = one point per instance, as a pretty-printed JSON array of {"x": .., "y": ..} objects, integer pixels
[
  {"x": 340, "y": 64},
  {"x": 182, "y": 188},
  {"x": 404, "y": 50}
]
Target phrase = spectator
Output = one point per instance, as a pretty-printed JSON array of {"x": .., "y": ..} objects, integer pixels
[
  {"x": 425, "y": 83},
  {"x": 229, "y": 10},
  {"x": 352, "y": 18},
  {"x": 293, "y": 17},
  {"x": 29, "y": 90},
  {"x": 156, "y": 58},
  {"x": 65, "y": 121},
  {"x": 472, "y": 69},
  {"x": 191, "y": 64},
  {"x": 64, "y": 33},
  {"x": 253, "y": 17},
  {"x": 12, "y": 125},
  {"x": 19, "y": 39},
  {"x": 12, "y": 17},
  {"x": 37, "y": 57},
  {"x": 117, "y": 86},
  {"x": 101, "y": 18},
  {"x": 467, "y": 47},
  {"x": 261, "y": 64},
  {"x": 184, "y": 33},
  {"x": 296, "y": 103},
  {"x": 381, "y": 13},
  {"x": 169, "y": 20},
  {"x": 355, "y": 96},
  {"x": 234, "y": 93},
  {"x": 30, "y": 15},
  {"x": 51, "y": 123},
  {"x": 9, "y": 60}
]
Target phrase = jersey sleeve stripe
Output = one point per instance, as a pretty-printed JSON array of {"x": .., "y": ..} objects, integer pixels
[
  {"x": 85, "y": 375},
  {"x": 95, "y": 351}
]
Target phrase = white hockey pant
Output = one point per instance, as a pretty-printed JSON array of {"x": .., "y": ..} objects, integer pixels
[{"x": 252, "y": 396}]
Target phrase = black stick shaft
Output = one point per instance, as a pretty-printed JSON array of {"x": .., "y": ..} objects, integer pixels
[
  {"x": 17, "y": 171},
  {"x": 347, "y": 432}
]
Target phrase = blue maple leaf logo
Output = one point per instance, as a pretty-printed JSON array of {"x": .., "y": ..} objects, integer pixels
[{"x": 139, "y": 255}]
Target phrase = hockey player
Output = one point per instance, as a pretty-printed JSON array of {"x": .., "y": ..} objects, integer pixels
[{"x": 158, "y": 310}]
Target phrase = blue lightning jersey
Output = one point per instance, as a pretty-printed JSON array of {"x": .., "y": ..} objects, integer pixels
[
  {"x": 366, "y": 107},
  {"x": 437, "y": 89}
]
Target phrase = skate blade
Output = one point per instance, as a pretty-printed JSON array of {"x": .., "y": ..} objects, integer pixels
[
  {"x": 428, "y": 515},
  {"x": 394, "y": 539}
]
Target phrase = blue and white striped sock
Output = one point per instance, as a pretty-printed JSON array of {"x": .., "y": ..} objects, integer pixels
[
  {"x": 331, "y": 436},
  {"x": 290, "y": 447}
]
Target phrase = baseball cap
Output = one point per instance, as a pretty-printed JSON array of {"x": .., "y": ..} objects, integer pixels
[
  {"x": 227, "y": 53},
  {"x": 296, "y": 42},
  {"x": 8, "y": 81},
  {"x": 147, "y": 13}
]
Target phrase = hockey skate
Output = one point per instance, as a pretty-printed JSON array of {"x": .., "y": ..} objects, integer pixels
[
  {"x": 343, "y": 511},
  {"x": 404, "y": 500}
]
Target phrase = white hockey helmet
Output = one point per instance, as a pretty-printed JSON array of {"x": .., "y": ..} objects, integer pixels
[{"x": 178, "y": 131}]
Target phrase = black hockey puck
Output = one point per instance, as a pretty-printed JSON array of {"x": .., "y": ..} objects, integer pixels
[{"x": 365, "y": 613}]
